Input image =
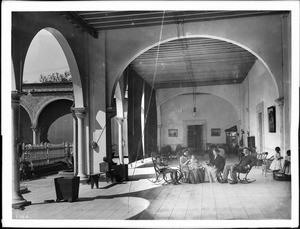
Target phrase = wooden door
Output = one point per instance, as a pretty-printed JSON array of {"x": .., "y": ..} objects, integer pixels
[{"x": 195, "y": 137}]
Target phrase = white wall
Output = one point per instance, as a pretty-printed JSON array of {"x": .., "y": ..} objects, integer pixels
[
  {"x": 261, "y": 89},
  {"x": 213, "y": 110}
]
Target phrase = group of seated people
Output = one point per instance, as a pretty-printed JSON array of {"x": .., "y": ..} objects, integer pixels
[
  {"x": 194, "y": 171},
  {"x": 216, "y": 171}
]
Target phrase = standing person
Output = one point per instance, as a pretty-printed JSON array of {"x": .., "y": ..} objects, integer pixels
[
  {"x": 276, "y": 163},
  {"x": 245, "y": 163},
  {"x": 184, "y": 160},
  {"x": 287, "y": 163},
  {"x": 216, "y": 164}
]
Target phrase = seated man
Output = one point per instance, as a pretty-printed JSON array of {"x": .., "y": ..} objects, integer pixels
[
  {"x": 216, "y": 164},
  {"x": 245, "y": 163}
]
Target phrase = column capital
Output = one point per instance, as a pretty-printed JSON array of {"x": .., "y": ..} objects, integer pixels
[
  {"x": 280, "y": 101},
  {"x": 79, "y": 112},
  {"x": 34, "y": 127},
  {"x": 111, "y": 112},
  {"x": 15, "y": 95}
]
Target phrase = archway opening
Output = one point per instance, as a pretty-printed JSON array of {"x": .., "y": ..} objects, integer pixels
[
  {"x": 45, "y": 61},
  {"x": 55, "y": 123},
  {"x": 139, "y": 113},
  {"x": 210, "y": 64}
]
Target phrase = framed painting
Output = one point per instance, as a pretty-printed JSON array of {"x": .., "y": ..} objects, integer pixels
[
  {"x": 215, "y": 132},
  {"x": 272, "y": 119},
  {"x": 173, "y": 132}
]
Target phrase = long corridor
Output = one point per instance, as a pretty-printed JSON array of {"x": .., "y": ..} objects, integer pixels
[{"x": 140, "y": 199}]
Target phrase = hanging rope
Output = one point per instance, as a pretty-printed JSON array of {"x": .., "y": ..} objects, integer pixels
[{"x": 148, "y": 107}]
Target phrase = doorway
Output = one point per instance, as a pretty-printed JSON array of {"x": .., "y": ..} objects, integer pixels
[
  {"x": 195, "y": 138},
  {"x": 260, "y": 130}
]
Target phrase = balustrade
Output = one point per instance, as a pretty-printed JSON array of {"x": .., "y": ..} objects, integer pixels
[{"x": 45, "y": 154}]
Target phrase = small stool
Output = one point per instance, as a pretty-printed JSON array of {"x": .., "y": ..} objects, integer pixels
[{"x": 94, "y": 178}]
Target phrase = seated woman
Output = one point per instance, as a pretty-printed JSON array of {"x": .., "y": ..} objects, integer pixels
[
  {"x": 184, "y": 160},
  {"x": 214, "y": 166},
  {"x": 197, "y": 173}
]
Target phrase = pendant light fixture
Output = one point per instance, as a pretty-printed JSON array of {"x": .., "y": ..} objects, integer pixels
[
  {"x": 194, "y": 102},
  {"x": 183, "y": 42}
]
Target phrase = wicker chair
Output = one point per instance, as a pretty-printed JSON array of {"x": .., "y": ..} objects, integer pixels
[{"x": 266, "y": 165}]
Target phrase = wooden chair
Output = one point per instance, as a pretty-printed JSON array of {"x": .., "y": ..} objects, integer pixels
[
  {"x": 220, "y": 171},
  {"x": 260, "y": 158},
  {"x": 245, "y": 179},
  {"x": 266, "y": 165},
  {"x": 165, "y": 153},
  {"x": 163, "y": 171},
  {"x": 178, "y": 151}
]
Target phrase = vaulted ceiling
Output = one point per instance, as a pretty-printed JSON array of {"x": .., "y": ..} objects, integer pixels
[
  {"x": 194, "y": 62},
  {"x": 185, "y": 62}
]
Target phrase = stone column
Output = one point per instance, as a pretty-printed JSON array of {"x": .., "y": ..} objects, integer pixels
[
  {"x": 34, "y": 135},
  {"x": 120, "y": 121},
  {"x": 75, "y": 132},
  {"x": 17, "y": 198},
  {"x": 159, "y": 140},
  {"x": 280, "y": 103},
  {"x": 80, "y": 114}
]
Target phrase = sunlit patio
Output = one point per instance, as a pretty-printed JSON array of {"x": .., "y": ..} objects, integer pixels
[{"x": 140, "y": 199}]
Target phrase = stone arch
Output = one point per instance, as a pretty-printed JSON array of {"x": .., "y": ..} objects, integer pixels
[
  {"x": 45, "y": 104},
  {"x": 27, "y": 111},
  {"x": 127, "y": 62},
  {"x": 49, "y": 115},
  {"x": 68, "y": 52},
  {"x": 196, "y": 120},
  {"x": 77, "y": 85},
  {"x": 180, "y": 93}
]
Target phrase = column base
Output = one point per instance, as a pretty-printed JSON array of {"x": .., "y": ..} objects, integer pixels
[{"x": 83, "y": 178}]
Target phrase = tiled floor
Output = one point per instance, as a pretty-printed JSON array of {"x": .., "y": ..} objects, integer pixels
[{"x": 140, "y": 199}]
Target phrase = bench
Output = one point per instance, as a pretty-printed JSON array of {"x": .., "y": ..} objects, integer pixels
[{"x": 93, "y": 179}]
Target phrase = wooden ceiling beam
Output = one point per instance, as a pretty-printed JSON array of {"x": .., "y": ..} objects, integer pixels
[{"x": 73, "y": 18}]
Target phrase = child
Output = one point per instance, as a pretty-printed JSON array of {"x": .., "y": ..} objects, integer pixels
[
  {"x": 287, "y": 164},
  {"x": 276, "y": 163}
]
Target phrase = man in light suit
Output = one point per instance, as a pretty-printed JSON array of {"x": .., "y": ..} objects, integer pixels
[{"x": 245, "y": 164}]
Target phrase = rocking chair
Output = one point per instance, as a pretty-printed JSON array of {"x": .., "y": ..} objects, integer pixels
[
  {"x": 164, "y": 172},
  {"x": 245, "y": 179}
]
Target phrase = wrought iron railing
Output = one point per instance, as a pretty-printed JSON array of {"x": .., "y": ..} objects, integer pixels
[{"x": 46, "y": 154}]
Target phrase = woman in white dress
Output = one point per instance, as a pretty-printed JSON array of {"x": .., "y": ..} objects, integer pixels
[{"x": 276, "y": 163}]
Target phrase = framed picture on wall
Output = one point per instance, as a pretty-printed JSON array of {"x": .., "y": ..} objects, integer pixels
[
  {"x": 272, "y": 119},
  {"x": 215, "y": 132},
  {"x": 173, "y": 132}
]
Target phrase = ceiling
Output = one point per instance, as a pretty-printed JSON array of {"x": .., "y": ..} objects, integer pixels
[
  {"x": 194, "y": 62},
  {"x": 185, "y": 62}
]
